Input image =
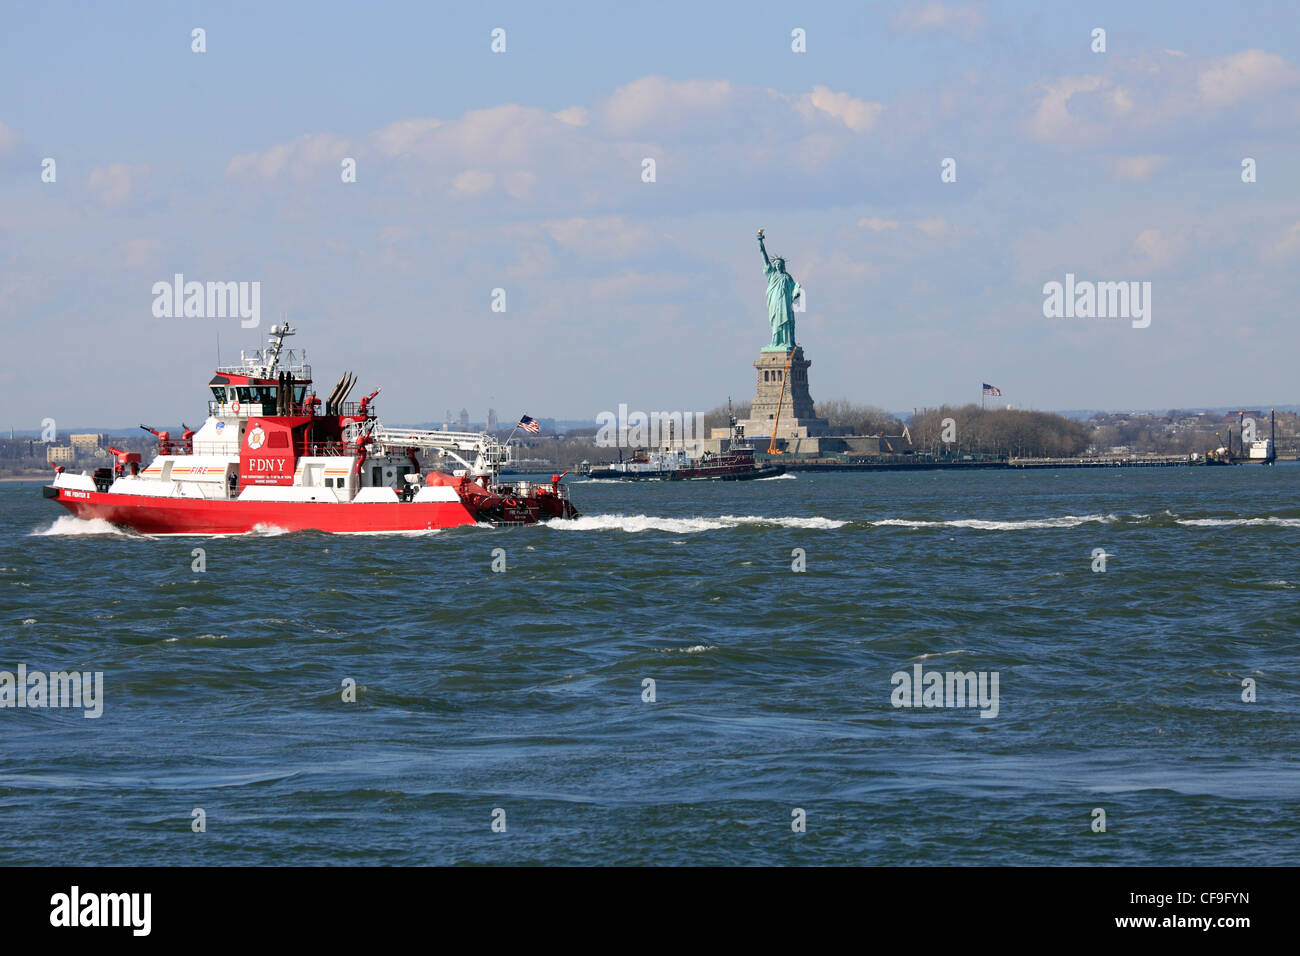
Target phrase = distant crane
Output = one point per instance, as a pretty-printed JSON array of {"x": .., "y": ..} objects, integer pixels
[{"x": 771, "y": 445}]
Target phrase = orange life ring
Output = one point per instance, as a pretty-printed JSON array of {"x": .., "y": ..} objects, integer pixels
[{"x": 234, "y": 407}]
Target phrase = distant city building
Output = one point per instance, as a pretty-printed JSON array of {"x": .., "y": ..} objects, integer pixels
[
  {"x": 59, "y": 454},
  {"x": 464, "y": 420},
  {"x": 86, "y": 444},
  {"x": 492, "y": 420}
]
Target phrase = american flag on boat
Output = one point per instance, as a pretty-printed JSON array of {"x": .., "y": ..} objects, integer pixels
[
  {"x": 991, "y": 389},
  {"x": 529, "y": 424}
]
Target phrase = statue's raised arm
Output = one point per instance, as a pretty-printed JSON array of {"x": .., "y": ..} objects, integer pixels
[{"x": 782, "y": 291}]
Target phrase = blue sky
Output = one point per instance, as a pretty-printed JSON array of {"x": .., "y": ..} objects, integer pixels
[{"x": 522, "y": 171}]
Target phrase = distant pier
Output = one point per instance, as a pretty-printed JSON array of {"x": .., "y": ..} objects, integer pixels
[{"x": 917, "y": 463}]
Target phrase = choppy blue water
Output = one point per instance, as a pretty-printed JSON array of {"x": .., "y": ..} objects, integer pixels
[{"x": 522, "y": 690}]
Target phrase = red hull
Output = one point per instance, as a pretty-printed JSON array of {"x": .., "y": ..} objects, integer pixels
[{"x": 201, "y": 516}]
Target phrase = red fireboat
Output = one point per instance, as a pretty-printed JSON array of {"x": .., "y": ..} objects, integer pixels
[{"x": 272, "y": 456}]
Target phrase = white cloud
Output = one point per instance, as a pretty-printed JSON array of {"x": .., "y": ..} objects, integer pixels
[
  {"x": 1159, "y": 90},
  {"x": 858, "y": 115},
  {"x": 392, "y": 235},
  {"x": 1249, "y": 73},
  {"x": 1285, "y": 246},
  {"x": 721, "y": 135},
  {"x": 604, "y": 237},
  {"x": 472, "y": 183},
  {"x": 655, "y": 106},
  {"x": 140, "y": 253},
  {"x": 1137, "y": 168},
  {"x": 1052, "y": 120},
  {"x": 1155, "y": 250},
  {"x": 573, "y": 116},
  {"x": 962, "y": 19},
  {"x": 639, "y": 286},
  {"x": 935, "y": 227},
  {"x": 876, "y": 224},
  {"x": 300, "y": 157},
  {"x": 519, "y": 183},
  {"x": 400, "y": 138},
  {"x": 114, "y": 183}
]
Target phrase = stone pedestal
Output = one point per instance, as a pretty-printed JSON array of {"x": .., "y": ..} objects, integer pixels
[{"x": 798, "y": 417}]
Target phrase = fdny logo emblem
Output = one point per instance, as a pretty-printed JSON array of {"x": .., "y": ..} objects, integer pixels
[
  {"x": 256, "y": 438},
  {"x": 221, "y": 427}
]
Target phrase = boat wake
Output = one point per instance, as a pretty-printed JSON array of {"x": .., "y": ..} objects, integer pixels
[
  {"x": 1240, "y": 522},
  {"x": 68, "y": 526},
  {"x": 262, "y": 530},
  {"x": 637, "y": 523},
  {"x": 983, "y": 524}
]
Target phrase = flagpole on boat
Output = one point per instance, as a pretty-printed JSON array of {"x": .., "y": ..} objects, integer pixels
[{"x": 512, "y": 435}]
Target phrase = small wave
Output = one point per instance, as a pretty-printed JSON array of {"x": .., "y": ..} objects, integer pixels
[
  {"x": 1240, "y": 522},
  {"x": 67, "y": 525},
  {"x": 636, "y": 523},
  {"x": 197, "y": 637},
  {"x": 268, "y": 530},
  {"x": 29, "y": 620},
  {"x": 786, "y": 477},
  {"x": 982, "y": 524},
  {"x": 695, "y": 649},
  {"x": 926, "y": 657}
]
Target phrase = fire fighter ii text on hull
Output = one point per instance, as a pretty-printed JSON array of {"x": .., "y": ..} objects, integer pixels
[{"x": 271, "y": 454}]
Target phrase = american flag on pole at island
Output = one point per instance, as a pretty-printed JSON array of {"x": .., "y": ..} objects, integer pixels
[
  {"x": 529, "y": 424},
  {"x": 991, "y": 389}
]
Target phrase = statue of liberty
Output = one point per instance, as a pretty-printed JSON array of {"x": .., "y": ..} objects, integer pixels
[{"x": 782, "y": 290}]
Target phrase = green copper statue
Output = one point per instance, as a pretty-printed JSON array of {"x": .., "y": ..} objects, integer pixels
[{"x": 782, "y": 290}]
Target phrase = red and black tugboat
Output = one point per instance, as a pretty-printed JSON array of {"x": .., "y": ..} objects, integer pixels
[
  {"x": 272, "y": 455},
  {"x": 735, "y": 463}
]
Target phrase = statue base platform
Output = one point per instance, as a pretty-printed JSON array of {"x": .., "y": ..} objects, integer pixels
[{"x": 798, "y": 418}]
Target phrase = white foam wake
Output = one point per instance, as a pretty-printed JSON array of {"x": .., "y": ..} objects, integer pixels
[
  {"x": 1240, "y": 522},
  {"x": 981, "y": 524},
  {"x": 636, "y": 523},
  {"x": 67, "y": 525},
  {"x": 267, "y": 530}
]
